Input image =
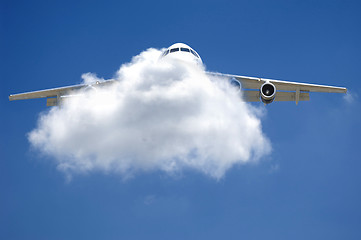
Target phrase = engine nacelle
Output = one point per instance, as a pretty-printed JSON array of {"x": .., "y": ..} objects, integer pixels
[
  {"x": 268, "y": 92},
  {"x": 235, "y": 83}
]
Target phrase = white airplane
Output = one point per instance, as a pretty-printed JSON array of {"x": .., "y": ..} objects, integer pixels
[{"x": 254, "y": 89}]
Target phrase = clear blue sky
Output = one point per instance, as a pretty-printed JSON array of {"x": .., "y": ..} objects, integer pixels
[{"x": 308, "y": 188}]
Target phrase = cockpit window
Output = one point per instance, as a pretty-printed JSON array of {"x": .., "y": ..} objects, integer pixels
[
  {"x": 165, "y": 53},
  {"x": 174, "y": 50},
  {"x": 182, "y": 49},
  {"x": 194, "y": 53}
]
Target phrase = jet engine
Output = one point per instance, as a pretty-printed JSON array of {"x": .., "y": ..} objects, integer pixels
[
  {"x": 236, "y": 84},
  {"x": 268, "y": 92}
]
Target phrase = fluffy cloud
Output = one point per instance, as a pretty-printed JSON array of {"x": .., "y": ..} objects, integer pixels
[{"x": 160, "y": 115}]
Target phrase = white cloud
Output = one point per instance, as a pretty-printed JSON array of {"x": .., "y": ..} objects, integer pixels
[
  {"x": 161, "y": 115},
  {"x": 350, "y": 97}
]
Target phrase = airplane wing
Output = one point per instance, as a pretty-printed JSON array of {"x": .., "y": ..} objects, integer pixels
[
  {"x": 255, "y": 89},
  {"x": 53, "y": 95}
]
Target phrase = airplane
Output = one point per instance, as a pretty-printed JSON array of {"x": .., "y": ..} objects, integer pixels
[{"x": 254, "y": 89}]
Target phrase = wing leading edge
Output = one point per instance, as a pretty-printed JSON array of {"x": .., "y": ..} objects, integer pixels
[
  {"x": 54, "y": 95},
  {"x": 286, "y": 91}
]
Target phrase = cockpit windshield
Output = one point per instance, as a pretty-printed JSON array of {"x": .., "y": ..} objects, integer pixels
[
  {"x": 166, "y": 52},
  {"x": 174, "y": 50},
  {"x": 194, "y": 53}
]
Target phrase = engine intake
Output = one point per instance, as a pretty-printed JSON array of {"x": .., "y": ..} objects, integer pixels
[
  {"x": 268, "y": 92},
  {"x": 236, "y": 84}
]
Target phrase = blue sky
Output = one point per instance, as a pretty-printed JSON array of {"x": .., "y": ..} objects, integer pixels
[{"x": 308, "y": 187}]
